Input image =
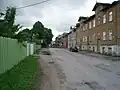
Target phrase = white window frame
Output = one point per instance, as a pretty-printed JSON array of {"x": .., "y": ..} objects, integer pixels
[
  {"x": 110, "y": 16},
  {"x": 104, "y": 35},
  {"x": 110, "y": 35},
  {"x": 104, "y": 19},
  {"x": 94, "y": 23},
  {"x": 90, "y": 25}
]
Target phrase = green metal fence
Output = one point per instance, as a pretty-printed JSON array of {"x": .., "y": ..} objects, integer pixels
[{"x": 11, "y": 53}]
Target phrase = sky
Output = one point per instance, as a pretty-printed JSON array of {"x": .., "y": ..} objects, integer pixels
[{"x": 58, "y": 15}]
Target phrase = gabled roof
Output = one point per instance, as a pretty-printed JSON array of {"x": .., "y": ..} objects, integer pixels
[
  {"x": 82, "y": 17},
  {"x": 90, "y": 18},
  {"x": 113, "y": 4},
  {"x": 98, "y": 4}
]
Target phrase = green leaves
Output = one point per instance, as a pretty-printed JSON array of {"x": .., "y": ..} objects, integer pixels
[
  {"x": 7, "y": 26},
  {"x": 36, "y": 34},
  {"x": 42, "y": 33}
]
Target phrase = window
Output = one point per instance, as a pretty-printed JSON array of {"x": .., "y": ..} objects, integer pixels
[
  {"x": 104, "y": 19},
  {"x": 93, "y": 37},
  {"x": 83, "y": 39},
  {"x": 98, "y": 37},
  {"x": 90, "y": 38},
  {"x": 110, "y": 16},
  {"x": 94, "y": 23},
  {"x": 110, "y": 34},
  {"x": 86, "y": 26},
  {"x": 83, "y": 27},
  {"x": 90, "y": 25},
  {"x": 98, "y": 20},
  {"x": 104, "y": 35}
]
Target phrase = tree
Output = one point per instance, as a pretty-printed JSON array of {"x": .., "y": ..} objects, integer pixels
[
  {"x": 47, "y": 37},
  {"x": 38, "y": 30},
  {"x": 7, "y": 26},
  {"x": 24, "y": 35}
]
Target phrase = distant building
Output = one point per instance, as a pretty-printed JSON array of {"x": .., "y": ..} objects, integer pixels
[
  {"x": 58, "y": 41},
  {"x": 72, "y": 37},
  {"x": 65, "y": 40}
]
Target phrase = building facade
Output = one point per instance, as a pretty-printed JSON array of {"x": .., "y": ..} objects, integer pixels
[
  {"x": 79, "y": 26},
  {"x": 65, "y": 40},
  {"x": 72, "y": 38},
  {"x": 101, "y": 31}
]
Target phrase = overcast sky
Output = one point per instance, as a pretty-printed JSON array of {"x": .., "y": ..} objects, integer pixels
[{"x": 58, "y": 15}]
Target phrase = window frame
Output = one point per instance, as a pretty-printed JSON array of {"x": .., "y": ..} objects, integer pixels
[
  {"x": 94, "y": 23},
  {"x": 110, "y": 18},
  {"x": 99, "y": 20},
  {"x": 104, "y": 36},
  {"x": 110, "y": 35},
  {"x": 104, "y": 18},
  {"x": 90, "y": 25}
]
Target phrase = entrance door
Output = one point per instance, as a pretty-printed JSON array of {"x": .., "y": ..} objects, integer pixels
[{"x": 98, "y": 45}]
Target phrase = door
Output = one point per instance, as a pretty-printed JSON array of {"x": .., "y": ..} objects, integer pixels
[{"x": 98, "y": 45}]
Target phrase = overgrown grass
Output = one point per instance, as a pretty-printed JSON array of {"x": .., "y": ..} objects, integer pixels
[{"x": 20, "y": 77}]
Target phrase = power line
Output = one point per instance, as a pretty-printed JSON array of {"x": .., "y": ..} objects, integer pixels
[{"x": 30, "y": 5}]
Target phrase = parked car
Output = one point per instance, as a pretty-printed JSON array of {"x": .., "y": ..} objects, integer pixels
[{"x": 75, "y": 49}]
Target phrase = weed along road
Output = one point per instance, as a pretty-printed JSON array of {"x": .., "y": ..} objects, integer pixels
[{"x": 81, "y": 72}]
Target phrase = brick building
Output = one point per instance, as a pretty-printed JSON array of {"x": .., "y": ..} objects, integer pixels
[{"x": 101, "y": 31}]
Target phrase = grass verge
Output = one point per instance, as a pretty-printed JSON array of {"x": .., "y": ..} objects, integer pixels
[{"x": 22, "y": 76}]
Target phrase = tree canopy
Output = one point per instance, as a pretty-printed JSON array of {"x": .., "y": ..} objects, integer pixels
[
  {"x": 7, "y": 26},
  {"x": 38, "y": 33}
]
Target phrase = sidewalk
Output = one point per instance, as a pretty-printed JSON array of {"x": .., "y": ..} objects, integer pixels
[{"x": 99, "y": 56}]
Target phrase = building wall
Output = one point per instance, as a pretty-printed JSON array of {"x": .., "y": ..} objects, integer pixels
[
  {"x": 73, "y": 39},
  {"x": 118, "y": 22},
  {"x": 65, "y": 42},
  {"x": 93, "y": 41},
  {"x": 70, "y": 40},
  {"x": 78, "y": 36}
]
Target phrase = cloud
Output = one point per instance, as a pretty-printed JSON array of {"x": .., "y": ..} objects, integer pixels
[{"x": 58, "y": 15}]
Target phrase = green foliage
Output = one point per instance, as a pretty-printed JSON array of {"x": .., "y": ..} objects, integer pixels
[
  {"x": 7, "y": 26},
  {"x": 22, "y": 76},
  {"x": 38, "y": 30},
  {"x": 36, "y": 34},
  {"x": 47, "y": 36},
  {"x": 42, "y": 33},
  {"x": 24, "y": 35}
]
